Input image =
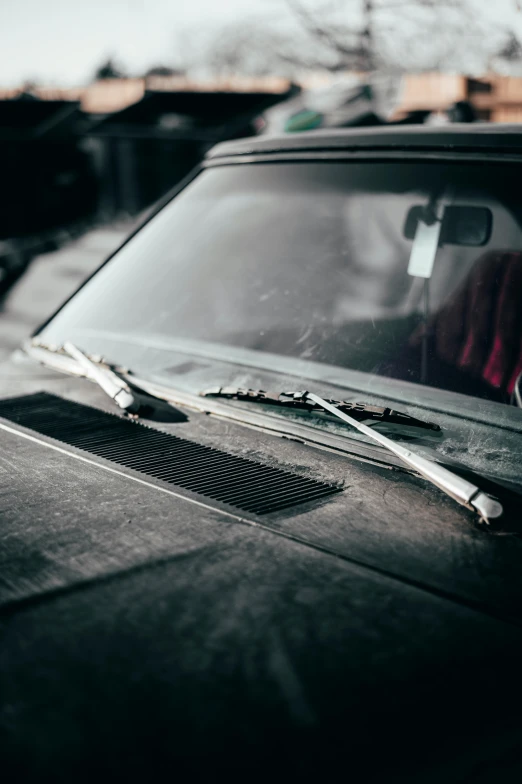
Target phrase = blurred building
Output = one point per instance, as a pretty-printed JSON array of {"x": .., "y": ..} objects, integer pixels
[
  {"x": 143, "y": 135},
  {"x": 494, "y": 98},
  {"x": 47, "y": 179},
  {"x": 506, "y": 97},
  {"x": 112, "y": 95},
  {"x": 146, "y": 148}
]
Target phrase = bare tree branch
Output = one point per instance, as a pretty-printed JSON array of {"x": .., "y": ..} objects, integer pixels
[
  {"x": 370, "y": 35},
  {"x": 361, "y": 43}
]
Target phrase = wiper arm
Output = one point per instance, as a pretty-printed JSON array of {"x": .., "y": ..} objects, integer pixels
[
  {"x": 462, "y": 491},
  {"x": 134, "y": 403},
  {"x": 358, "y": 411},
  {"x": 114, "y": 386},
  {"x": 459, "y": 489}
]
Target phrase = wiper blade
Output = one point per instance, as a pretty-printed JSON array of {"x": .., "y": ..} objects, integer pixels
[
  {"x": 359, "y": 411},
  {"x": 134, "y": 401},
  {"x": 462, "y": 491}
]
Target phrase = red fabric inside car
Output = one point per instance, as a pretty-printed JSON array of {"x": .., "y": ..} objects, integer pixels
[{"x": 479, "y": 329}]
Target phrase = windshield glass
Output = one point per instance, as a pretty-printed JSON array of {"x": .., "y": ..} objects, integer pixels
[{"x": 316, "y": 262}]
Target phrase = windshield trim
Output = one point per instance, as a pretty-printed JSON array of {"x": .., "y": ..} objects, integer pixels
[
  {"x": 489, "y": 412},
  {"x": 365, "y": 154},
  {"x": 348, "y": 443},
  {"x": 312, "y": 434}
]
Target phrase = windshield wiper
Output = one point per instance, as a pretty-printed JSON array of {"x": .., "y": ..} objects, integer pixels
[
  {"x": 296, "y": 400},
  {"x": 114, "y": 386},
  {"x": 462, "y": 491},
  {"x": 133, "y": 400}
]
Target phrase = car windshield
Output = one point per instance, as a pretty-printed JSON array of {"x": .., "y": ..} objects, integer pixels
[{"x": 324, "y": 262}]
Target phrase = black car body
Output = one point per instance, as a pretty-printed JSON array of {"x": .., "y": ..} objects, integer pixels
[{"x": 258, "y": 592}]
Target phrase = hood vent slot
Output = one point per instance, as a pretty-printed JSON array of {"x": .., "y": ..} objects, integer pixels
[{"x": 245, "y": 484}]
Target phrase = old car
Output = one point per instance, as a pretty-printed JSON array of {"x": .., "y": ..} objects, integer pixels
[{"x": 261, "y": 477}]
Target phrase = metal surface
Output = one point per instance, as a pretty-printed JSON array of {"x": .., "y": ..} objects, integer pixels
[
  {"x": 243, "y": 483},
  {"x": 119, "y": 593},
  {"x": 462, "y": 491}
]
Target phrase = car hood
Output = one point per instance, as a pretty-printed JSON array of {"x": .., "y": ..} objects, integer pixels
[{"x": 282, "y": 626}]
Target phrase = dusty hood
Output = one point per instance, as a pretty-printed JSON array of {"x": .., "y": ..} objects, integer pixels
[{"x": 142, "y": 625}]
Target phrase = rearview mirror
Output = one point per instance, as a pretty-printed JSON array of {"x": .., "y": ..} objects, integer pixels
[{"x": 460, "y": 225}]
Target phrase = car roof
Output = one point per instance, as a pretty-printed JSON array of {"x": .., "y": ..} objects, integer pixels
[{"x": 499, "y": 138}]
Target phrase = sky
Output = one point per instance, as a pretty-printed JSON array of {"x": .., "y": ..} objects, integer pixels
[{"x": 63, "y": 41}]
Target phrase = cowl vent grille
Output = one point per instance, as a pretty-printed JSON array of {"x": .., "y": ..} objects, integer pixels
[{"x": 236, "y": 481}]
